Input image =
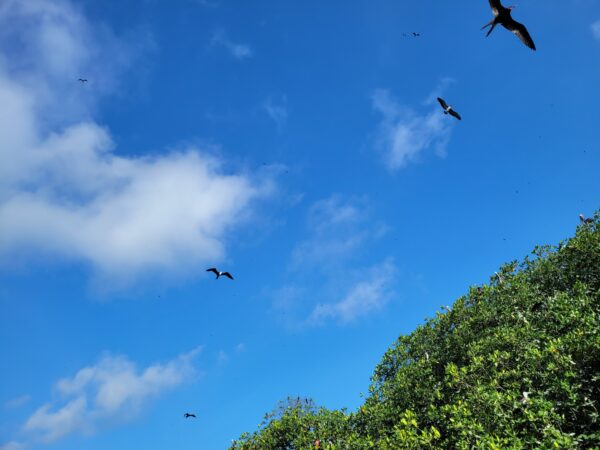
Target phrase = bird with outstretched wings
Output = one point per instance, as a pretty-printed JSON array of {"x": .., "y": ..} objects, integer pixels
[
  {"x": 219, "y": 274},
  {"x": 448, "y": 109},
  {"x": 503, "y": 17}
]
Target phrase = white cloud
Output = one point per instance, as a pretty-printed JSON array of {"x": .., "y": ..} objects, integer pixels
[
  {"x": 237, "y": 50},
  {"x": 337, "y": 226},
  {"x": 331, "y": 260},
  {"x": 17, "y": 402},
  {"x": 222, "y": 357},
  {"x": 66, "y": 191},
  {"x": 207, "y": 3},
  {"x": 240, "y": 348},
  {"x": 277, "y": 110},
  {"x": 403, "y": 134},
  {"x": 364, "y": 297},
  {"x": 47, "y": 45},
  {"x": 596, "y": 29},
  {"x": 13, "y": 445},
  {"x": 113, "y": 390}
]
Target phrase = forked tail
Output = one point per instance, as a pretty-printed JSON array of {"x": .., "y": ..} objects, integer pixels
[{"x": 491, "y": 24}]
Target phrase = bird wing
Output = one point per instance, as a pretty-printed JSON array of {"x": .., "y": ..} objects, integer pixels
[
  {"x": 443, "y": 103},
  {"x": 227, "y": 274},
  {"x": 213, "y": 270},
  {"x": 495, "y": 5},
  {"x": 521, "y": 32},
  {"x": 455, "y": 114}
]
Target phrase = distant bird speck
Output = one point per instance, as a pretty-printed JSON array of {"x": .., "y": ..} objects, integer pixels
[
  {"x": 448, "y": 109},
  {"x": 584, "y": 219},
  {"x": 83, "y": 80},
  {"x": 415, "y": 34},
  {"x": 502, "y": 16},
  {"x": 219, "y": 274},
  {"x": 188, "y": 415}
]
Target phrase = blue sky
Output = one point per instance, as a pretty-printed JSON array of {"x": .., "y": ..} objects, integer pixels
[{"x": 296, "y": 144}]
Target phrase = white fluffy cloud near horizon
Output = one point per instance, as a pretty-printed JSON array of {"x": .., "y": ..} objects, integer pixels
[
  {"x": 404, "y": 134},
  {"x": 66, "y": 191},
  {"x": 113, "y": 390}
]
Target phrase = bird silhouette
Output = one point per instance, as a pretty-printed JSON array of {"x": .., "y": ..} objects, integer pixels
[
  {"x": 83, "y": 80},
  {"x": 502, "y": 16},
  {"x": 415, "y": 34},
  {"x": 219, "y": 274},
  {"x": 448, "y": 109},
  {"x": 188, "y": 415},
  {"x": 584, "y": 219}
]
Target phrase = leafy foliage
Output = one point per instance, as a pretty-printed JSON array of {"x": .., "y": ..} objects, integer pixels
[{"x": 513, "y": 364}]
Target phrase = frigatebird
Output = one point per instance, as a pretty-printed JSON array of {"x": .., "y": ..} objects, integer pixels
[
  {"x": 83, "y": 80},
  {"x": 502, "y": 16},
  {"x": 448, "y": 109},
  {"x": 584, "y": 219},
  {"x": 219, "y": 274},
  {"x": 188, "y": 415}
]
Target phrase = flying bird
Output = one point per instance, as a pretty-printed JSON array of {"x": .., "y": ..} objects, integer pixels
[
  {"x": 188, "y": 415},
  {"x": 83, "y": 80},
  {"x": 415, "y": 34},
  {"x": 219, "y": 274},
  {"x": 448, "y": 109},
  {"x": 583, "y": 219},
  {"x": 502, "y": 16}
]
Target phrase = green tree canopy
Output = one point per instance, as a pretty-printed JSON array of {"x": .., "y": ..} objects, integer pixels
[{"x": 513, "y": 364}]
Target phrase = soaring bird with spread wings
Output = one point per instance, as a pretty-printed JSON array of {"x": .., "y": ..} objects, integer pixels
[
  {"x": 448, "y": 109},
  {"x": 584, "y": 219},
  {"x": 219, "y": 274},
  {"x": 188, "y": 415},
  {"x": 502, "y": 16}
]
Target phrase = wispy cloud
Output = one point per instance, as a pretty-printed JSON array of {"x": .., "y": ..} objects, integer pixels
[
  {"x": 207, "y": 3},
  {"x": 325, "y": 263},
  {"x": 222, "y": 357},
  {"x": 240, "y": 348},
  {"x": 404, "y": 134},
  {"x": 366, "y": 296},
  {"x": 277, "y": 110},
  {"x": 337, "y": 227},
  {"x": 66, "y": 191},
  {"x": 237, "y": 50},
  {"x": 17, "y": 402},
  {"x": 596, "y": 29},
  {"x": 13, "y": 445},
  {"x": 111, "y": 391}
]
